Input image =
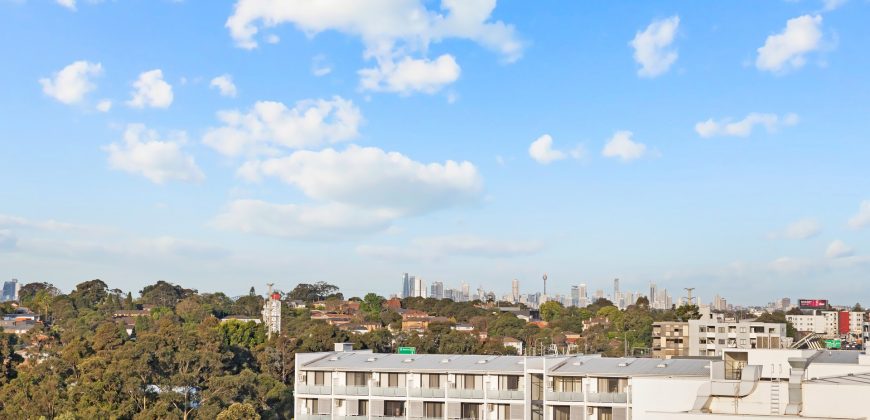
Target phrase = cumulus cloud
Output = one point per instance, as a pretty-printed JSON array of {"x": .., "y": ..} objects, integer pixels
[
  {"x": 439, "y": 247},
  {"x": 652, "y": 47},
  {"x": 168, "y": 246},
  {"x": 104, "y": 105},
  {"x": 839, "y": 249},
  {"x": 17, "y": 222},
  {"x": 541, "y": 150},
  {"x": 73, "y": 82},
  {"x": 224, "y": 85},
  {"x": 392, "y": 31},
  {"x": 787, "y": 49},
  {"x": 150, "y": 90},
  {"x": 144, "y": 153},
  {"x": 833, "y": 4},
  {"x": 799, "y": 230},
  {"x": 372, "y": 178},
  {"x": 269, "y": 126},
  {"x": 410, "y": 75},
  {"x": 69, "y": 4},
  {"x": 862, "y": 218},
  {"x": 744, "y": 127},
  {"x": 622, "y": 146}
]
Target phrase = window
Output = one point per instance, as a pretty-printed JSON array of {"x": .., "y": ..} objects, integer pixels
[
  {"x": 568, "y": 384},
  {"x": 362, "y": 407},
  {"x": 433, "y": 409},
  {"x": 721, "y": 341},
  {"x": 721, "y": 329},
  {"x": 701, "y": 329},
  {"x": 357, "y": 378},
  {"x": 499, "y": 412},
  {"x": 319, "y": 378},
  {"x": 394, "y": 408},
  {"x": 434, "y": 381},
  {"x": 561, "y": 412},
  {"x": 470, "y": 411},
  {"x": 509, "y": 382},
  {"x": 469, "y": 381},
  {"x": 392, "y": 380}
]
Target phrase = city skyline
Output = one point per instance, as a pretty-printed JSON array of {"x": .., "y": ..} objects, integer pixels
[{"x": 690, "y": 145}]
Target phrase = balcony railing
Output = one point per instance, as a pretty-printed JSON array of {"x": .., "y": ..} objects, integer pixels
[
  {"x": 351, "y": 390},
  {"x": 357, "y": 417},
  {"x": 425, "y": 418},
  {"x": 383, "y": 417},
  {"x": 427, "y": 392},
  {"x": 607, "y": 397},
  {"x": 314, "y": 417},
  {"x": 565, "y": 396},
  {"x": 505, "y": 394},
  {"x": 314, "y": 389},
  {"x": 388, "y": 391},
  {"x": 465, "y": 393}
]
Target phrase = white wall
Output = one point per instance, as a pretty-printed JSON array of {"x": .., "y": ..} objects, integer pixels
[
  {"x": 832, "y": 401},
  {"x": 664, "y": 394}
]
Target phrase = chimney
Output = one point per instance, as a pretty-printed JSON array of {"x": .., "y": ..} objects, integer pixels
[{"x": 343, "y": 347}]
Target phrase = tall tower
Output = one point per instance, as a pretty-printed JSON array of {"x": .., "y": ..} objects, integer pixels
[
  {"x": 545, "y": 284},
  {"x": 272, "y": 312},
  {"x": 406, "y": 285},
  {"x": 515, "y": 290}
]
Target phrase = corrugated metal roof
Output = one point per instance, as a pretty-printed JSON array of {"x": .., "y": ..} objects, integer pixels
[
  {"x": 577, "y": 365},
  {"x": 417, "y": 362},
  {"x": 621, "y": 366}
]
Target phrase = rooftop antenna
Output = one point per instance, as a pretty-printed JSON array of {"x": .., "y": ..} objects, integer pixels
[
  {"x": 545, "y": 284},
  {"x": 269, "y": 287}
]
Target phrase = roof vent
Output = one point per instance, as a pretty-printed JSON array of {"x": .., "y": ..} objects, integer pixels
[
  {"x": 445, "y": 360},
  {"x": 481, "y": 361},
  {"x": 371, "y": 359},
  {"x": 577, "y": 363},
  {"x": 662, "y": 365},
  {"x": 333, "y": 359},
  {"x": 625, "y": 363},
  {"x": 407, "y": 360}
]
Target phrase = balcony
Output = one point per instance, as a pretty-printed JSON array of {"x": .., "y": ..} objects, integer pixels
[
  {"x": 314, "y": 417},
  {"x": 388, "y": 391},
  {"x": 425, "y": 418},
  {"x": 565, "y": 396},
  {"x": 361, "y": 417},
  {"x": 427, "y": 392},
  {"x": 382, "y": 417},
  {"x": 314, "y": 389},
  {"x": 608, "y": 397},
  {"x": 465, "y": 393},
  {"x": 505, "y": 394},
  {"x": 351, "y": 390}
]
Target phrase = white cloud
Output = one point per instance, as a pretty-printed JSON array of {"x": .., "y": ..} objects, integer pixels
[
  {"x": 410, "y": 75},
  {"x": 69, "y": 4},
  {"x": 652, "y": 47},
  {"x": 439, "y": 247},
  {"x": 743, "y": 128},
  {"x": 372, "y": 178},
  {"x": 104, "y": 105},
  {"x": 8, "y": 240},
  {"x": 273, "y": 39},
  {"x": 380, "y": 24},
  {"x": 862, "y": 218},
  {"x": 787, "y": 49},
  {"x": 168, "y": 246},
  {"x": 151, "y": 91},
  {"x": 541, "y": 150},
  {"x": 391, "y": 31},
  {"x": 623, "y": 147},
  {"x": 7, "y": 221},
  {"x": 73, "y": 82},
  {"x": 833, "y": 4},
  {"x": 329, "y": 221},
  {"x": 270, "y": 125},
  {"x": 839, "y": 249},
  {"x": 224, "y": 84},
  {"x": 319, "y": 66},
  {"x": 801, "y": 229},
  {"x": 143, "y": 153}
]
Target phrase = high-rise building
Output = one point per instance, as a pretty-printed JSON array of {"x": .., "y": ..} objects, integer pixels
[
  {"x": 653, "y": 295},
  {"x": 515, "y": 290},
  {"x": 10, "y": 290},
  {"x": 617, "y": 297},
  {"x": 436, "y": 290},
  {"x": 466, "y": 292},
  {"x": 406, "y": 285},
  {"x": 575, "y": 296},
  {"x": 419, "y": 288},
  {"x": 584, "y": 297},
  {"x": 272, "y": 312}
]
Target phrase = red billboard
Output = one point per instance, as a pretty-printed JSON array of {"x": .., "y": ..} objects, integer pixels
[{"x": 812, "y": 303}]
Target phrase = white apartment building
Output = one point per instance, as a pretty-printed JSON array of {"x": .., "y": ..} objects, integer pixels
[
  {"x": 827, "y": 323},
  {"x": 711, "y": 335},
  {"x": 743, "y": 384}
]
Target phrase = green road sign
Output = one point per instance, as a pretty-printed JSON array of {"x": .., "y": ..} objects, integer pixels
[
  {"x": 407, "y": 350},
  {"x": 832, "y": 344}
]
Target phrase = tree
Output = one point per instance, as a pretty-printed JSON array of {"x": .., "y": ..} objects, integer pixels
[
  {"x": 90, "y": 294},
  {"x": 687, "y": 312},
  {"x": 550, "y": 310},
  {"x": 29, "y": 291},
  {"x": 371, "y": 305},
  {"x": 164, "y": 294},
  {"x": 314, "y": 292},
  {"x": 238, "y": 411},
  {"x": 857, "y": 308}
]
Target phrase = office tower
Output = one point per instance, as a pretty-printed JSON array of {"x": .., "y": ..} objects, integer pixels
[
  {"x": 419, "y": 288},
  {"x": 437, "y": 290},
  {"x": 584, "y": 297},
  {"x": 10, "y": 290},
  {"x": 653, "y": 295},
  {"x": 272, "y": 312},
  {"x": 406, "y": 285},
  {"x": 575, "y": 296},
  {"x": 515, "y": 290},
  {"x": 466, "y": 292},
  {"x": 616, "y": 295}
]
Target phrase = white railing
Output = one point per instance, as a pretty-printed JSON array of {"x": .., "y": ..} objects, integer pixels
[
  {"x": 314, "y": 417},
  {"x": 427, "y": 392},
  {"x": 314, "y": 389},
  {"x": 465, "y": 393},
  {"x": 351, "y": 390},
  {"x": 565, "y": 396},
  {"x": 388, "y": 391},
  {"x": 505, "y": 394},
  {"x": 608, "y": 397}
]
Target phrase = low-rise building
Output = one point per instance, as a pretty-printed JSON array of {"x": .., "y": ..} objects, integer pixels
[
  {"x": 711, "y": 335},
  {"x": 670, "y": 339}
]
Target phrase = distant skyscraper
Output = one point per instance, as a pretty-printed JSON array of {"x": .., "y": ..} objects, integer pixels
[
  {"x": 466, "y": 292},
  {"x": 436, "y": 290},
  {"x": 616, "y": 295},
  {"x": 575, "y": 296},
  {"x": 515, "y": 290},
  {"x": 419, "y": 288},
  {"x": 584, "y": 297},
  {"x": 406, "y": 285},
  {"x": 272, "y": 312},
  {"x": 653, "y": 295},
  {"x": 10, "y": 290}
]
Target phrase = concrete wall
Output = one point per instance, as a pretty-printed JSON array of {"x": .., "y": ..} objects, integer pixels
[
  {"x": 836, "y": 401},
  {"x": 664, "y": 394}
]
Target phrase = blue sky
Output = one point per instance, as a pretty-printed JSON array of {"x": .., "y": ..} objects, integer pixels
[{"x": 220, "y": 145}]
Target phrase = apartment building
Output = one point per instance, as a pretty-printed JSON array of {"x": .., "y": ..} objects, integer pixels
[
  {"x": 829, "y": 324},
  {"x": 670, "y": 339},
  {"x": 711, "y": 335},
  {"x": 743, "y": 384}
]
